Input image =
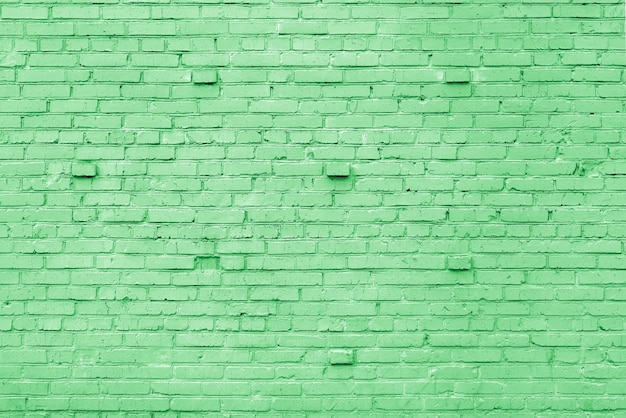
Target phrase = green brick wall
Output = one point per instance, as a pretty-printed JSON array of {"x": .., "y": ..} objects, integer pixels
[{"x": 312, "y": 208}]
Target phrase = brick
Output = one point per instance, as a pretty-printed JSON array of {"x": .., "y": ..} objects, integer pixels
[
  {"x": 99, "y": 29},
  {"x": 24, "y": 12},
  {"x": 204, "y": 77},
  {"x": 328, "y": 76},
  {"x": 243, "y": 204}
]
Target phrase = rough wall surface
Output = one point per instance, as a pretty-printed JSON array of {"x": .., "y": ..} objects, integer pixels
[{"x": 312, "y": 208}]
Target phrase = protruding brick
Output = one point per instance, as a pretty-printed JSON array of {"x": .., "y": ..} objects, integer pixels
[
  {"x": 459, "y": 263},
  {"x": 337, "y": 169},
  {"x": 341, "y": 357},
  {"x": 204, "y": 77},
  {"x": 83, "y": 170},
  {"x": 457, "y": 76}
]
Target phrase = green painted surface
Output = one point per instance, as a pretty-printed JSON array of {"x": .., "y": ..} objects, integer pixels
[{"x": 312, "y": 208}]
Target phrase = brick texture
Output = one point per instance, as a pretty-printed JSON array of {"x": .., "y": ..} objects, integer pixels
[{"x": 312, "y": 208}]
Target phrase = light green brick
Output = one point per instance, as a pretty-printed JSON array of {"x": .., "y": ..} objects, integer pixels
[
  {"x": 311, "y": 209},
  {"x": 204, "y": 77}
]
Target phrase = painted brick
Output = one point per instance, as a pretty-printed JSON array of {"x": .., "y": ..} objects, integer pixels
[{"x": 312, "y": 209}]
